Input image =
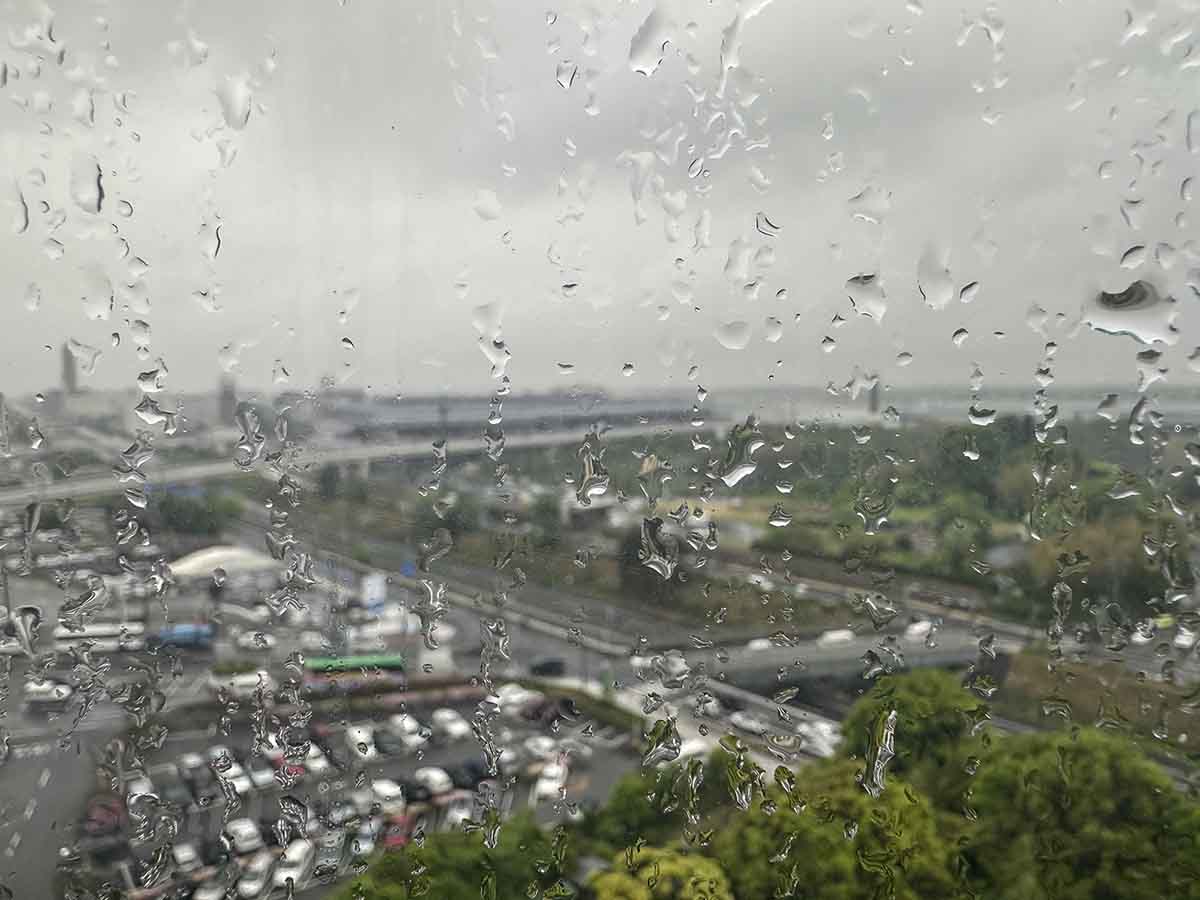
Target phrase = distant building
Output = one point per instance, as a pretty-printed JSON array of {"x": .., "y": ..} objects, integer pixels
[
  {"x": 873, "y": 398},
  {"x": 70, "y": 377},
  {"x": 226, "y": 401}
]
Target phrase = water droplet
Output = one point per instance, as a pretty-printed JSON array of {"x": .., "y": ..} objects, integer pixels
[
  {"x": 867, "y": 296},
  {"x": 969, "y": 292},
  {"x": 347, "y": 343},
  {"x": 649, "y": 42},
  {"x": 734, "y": 335},
  {"x": 960, "y": 337},
  {"x": 1107, "y": 409},
  {"x": 779, "y": 518},
  {"x": 773, "y": 330},
  {"x": 828, "y": 344},
  {"x": 487, "y": 205},
  {"x": 565, "y": 74},
  {"x": 871, "y": 204},
  {"x": 904, "y": 358},
  {"x": 827, "y": 126},
  {"x": 53, "y": 248},
  {"x": 33, "y": 297},
  {"x": 1133, "y": 257},
  {"x": 933, "y": 279},
  {"x": 1192, "y": 135},
  {"x": 1138, "y": 311},
  {"x": 978, "y": 415},
  {"x": 235, "y": 97},
  {"x": 86, "y": 189},
  {"x": 124, "y": 209},
  {"x": 628, "y": 369}
]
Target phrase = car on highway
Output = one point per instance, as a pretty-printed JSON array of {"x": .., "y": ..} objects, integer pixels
[
  {"x": 918, "y": 631},
  {"x": 45, "y": 694},
  {"x": 243, "y": 685},
  {"x": 758, "y": 645},
  {"x": 255, "y": 879},
  {"x": 835, "y": 636},
  {"x": 513, "y": 699},
  {"x": 361, "y": 741},
  {"x": 579, "y": 751},
  {"x": 244, "y": 836},
  {"x": 211, "y": 890},
  {"x": 548, "y": 668},
  {"x": 550, "y": 782},
  {"x": 138, "y": 787},
  {"x": 256, "y": 641},
  {"x": 749, "y": 723},
  {"x": 449, "y": 725},
  {"x": 1185, "y": 638},
  {"x": 295, "y": 865},
  {"x": 433, "y": 779}
]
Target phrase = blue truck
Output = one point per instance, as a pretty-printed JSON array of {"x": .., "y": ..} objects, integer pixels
[{"x": 185, "y": 636}]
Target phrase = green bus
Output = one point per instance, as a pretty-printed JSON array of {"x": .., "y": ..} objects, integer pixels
[{"x": 388, "y": 662}]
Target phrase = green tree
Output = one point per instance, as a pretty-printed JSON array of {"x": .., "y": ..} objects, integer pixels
[
  {"x": 636, "y": 810},
  {"x": 844, "y": 846},
  {"x": 662, "y": 874},
  {"x": 209, "y": 514},
  {"x": 455, "y": 864},
  {"x": 1080, "y": 816},
  {"x": 931, "y": 718}
]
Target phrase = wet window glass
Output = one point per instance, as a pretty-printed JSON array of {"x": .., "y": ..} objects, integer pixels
[{"x": 649, "y": 450}]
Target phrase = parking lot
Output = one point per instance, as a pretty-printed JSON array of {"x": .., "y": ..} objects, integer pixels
[{"x": 213, "y": 813}]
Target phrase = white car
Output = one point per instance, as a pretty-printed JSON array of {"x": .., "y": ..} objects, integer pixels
[
  {"x": 49, "y": 693},
  {"x": 243, "y": 685},
  {"x": 139, "y": 787},
  {"x": 244, "y": 835},
  {"x": 513, "y": 699},
  {"x": 256, "y": 875},
  {"x": 186, "y": 857},
  {"x": 261, "y": 776},
  {"x": 458, "y": 808},
  {"x": 225, "y": 766},
  {"x": 389, "y": 796},
  {"x": 1143, "y": 634},
  {"x": 541, "y": 746},
  {"x": 409, "y": 730},
  {"x": 749, "y": 723},
  {"x": 433, "y": 779},
  {"x": 758, "y": 645},
  {"x": 449, "y": 725},
  {"x": 366, "y": 839},
  {"x": 315, "y": 761},
  {"x": 640, "y": 664},
  {"x": 834, "y": 637},
  {"x": 821, "y": 738},
  {"x": 551, "y": 780},
  {"x": 1185, "y": 639},
  {"x": 295, "y": 864},
  {"x": 918, "y": 631},
  {"x": 361, "y": 741}
]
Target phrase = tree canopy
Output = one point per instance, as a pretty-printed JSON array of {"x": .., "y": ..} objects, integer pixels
[{"x": 659, "y": 873}]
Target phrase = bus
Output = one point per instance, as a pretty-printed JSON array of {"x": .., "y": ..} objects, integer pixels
[
  {"x": 105, "y": 637},
  {"x": 327, "y": 676}
]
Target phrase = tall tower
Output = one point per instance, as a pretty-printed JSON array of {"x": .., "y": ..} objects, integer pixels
[
  {"x": 70, "y": 378},
  {"x": 226, "y": 401}
]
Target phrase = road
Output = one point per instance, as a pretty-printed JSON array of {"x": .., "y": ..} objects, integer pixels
[{"x": 192, "y": 473}]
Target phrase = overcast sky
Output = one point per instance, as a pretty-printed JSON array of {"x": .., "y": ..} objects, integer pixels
[{"x": 380, "y": 174}]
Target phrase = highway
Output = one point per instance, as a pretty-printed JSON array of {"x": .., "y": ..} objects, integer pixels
[{"x": 99, "y": 485}]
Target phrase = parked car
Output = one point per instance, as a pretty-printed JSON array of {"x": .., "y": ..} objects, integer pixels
[
  {"x": 540, "y": 746},
  {"x": 411, "y": 732},
  {"x": 255, "y": 880},
  {"x": 448, "y": 724},
  {"x": 551, "y": 780},
  {"x": 199, "y": 777},
  {"x": 45, "y": 694},
  {"x": 244, "y": 836},
  {"x": 295, "y": 864},
  {"x": 457, "y": 807},
  {"x": 225, "y": 766},
  {"x": 364, "y": 842},
  {"x": 389, "y": 795},
  {"x": 435, "y": 780},
  {"x": 361, "y": 741}
]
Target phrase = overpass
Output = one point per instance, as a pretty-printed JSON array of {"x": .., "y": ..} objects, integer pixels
[
  {"x": 191, "y": 473},
  {"x": 766, "y": 671}
]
